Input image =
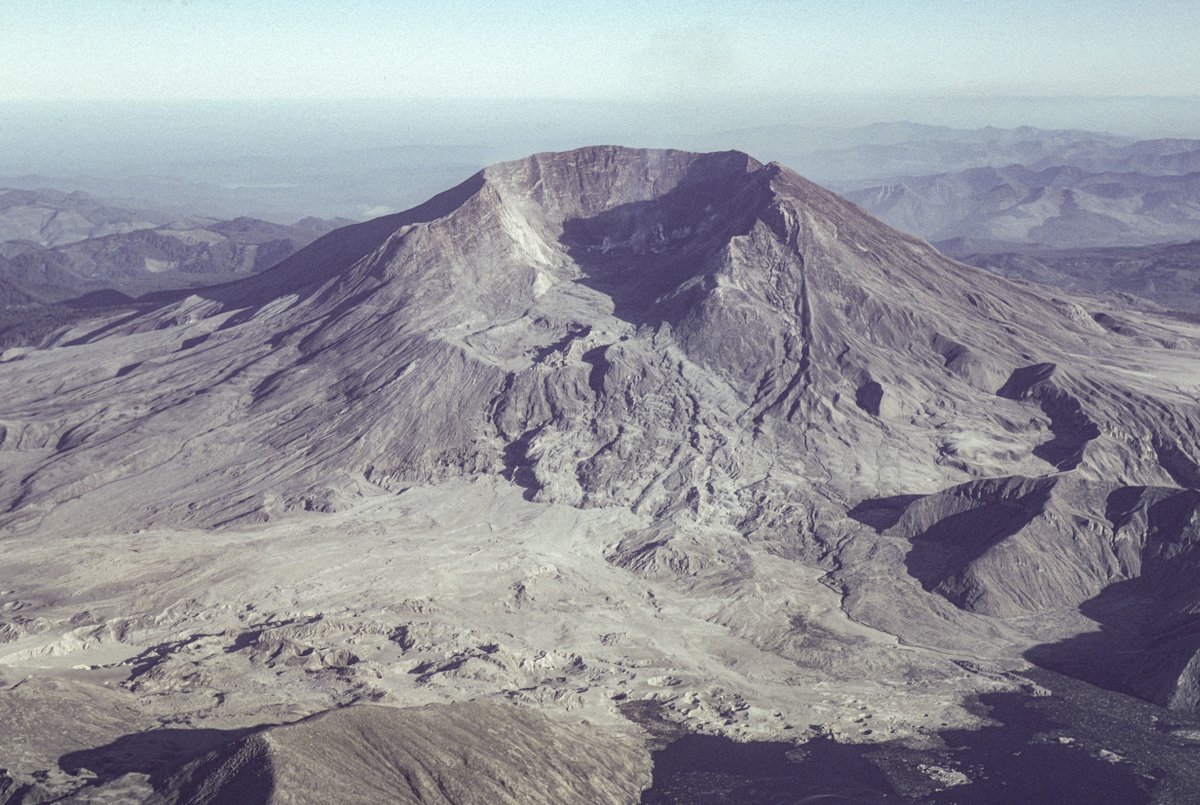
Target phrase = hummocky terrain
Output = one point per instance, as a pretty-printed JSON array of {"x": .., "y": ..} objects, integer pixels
[{"x": 611, "y": 433}]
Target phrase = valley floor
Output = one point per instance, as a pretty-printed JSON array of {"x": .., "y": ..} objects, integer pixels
[{"x": 453, "y": 592}]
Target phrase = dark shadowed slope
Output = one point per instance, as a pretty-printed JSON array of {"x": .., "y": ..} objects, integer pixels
[
  {"x": 455, "y": 755},
  {"x": 1167, "y": 275}
]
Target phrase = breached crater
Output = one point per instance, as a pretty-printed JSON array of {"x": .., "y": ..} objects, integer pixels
[{"x": 591, "y": 432}]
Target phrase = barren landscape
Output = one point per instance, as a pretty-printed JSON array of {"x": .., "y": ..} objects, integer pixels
[{"x": 615, "y": 445}]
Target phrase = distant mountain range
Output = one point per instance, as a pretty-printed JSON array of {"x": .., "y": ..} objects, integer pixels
[
  {"x": 1058, "y": 207},
  {"x": 53, "y": 218},
  {"x": 868, "y": 155},
  {"x": 180, "y": 254},
  {"x": 1052, "y": 189},
  {"x": 72, "y": 254},
  {"x": 881, "y": 152}
]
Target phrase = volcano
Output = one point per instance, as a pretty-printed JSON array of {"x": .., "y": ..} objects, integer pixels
[{"x": 605, "y": 426}]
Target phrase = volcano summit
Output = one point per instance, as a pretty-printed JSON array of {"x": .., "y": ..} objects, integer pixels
[{"x": 601, "y": 432}]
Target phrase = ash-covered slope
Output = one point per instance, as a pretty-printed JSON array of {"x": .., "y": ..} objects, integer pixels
[
  {"x": 564, "y": 320},
  {"x": 453, "y": 755},
  {"x": 719, "y": 345}
]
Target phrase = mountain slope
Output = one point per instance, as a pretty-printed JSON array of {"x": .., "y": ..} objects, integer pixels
[
  {"x": 489, "y": 297},
  {"x": 459, "y": 754},
  {"x": 550, "y": 299},
  {"x": 692, "y": 393}
]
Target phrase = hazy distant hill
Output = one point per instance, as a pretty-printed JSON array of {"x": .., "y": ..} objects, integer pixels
[
  {"x": 1156, "y": 157},
  {"x": 53, "y": 218},
  {"x": 129, "y": 257},
  {"x": 181, "y": 254},
  {"x": 872, "y": 154},
  {"x": 1047, "y": 188},
  {"x": 1060, "y": 207}
]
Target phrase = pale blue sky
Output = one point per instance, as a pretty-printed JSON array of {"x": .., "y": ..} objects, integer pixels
[{"x": 677, "y": 49}]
